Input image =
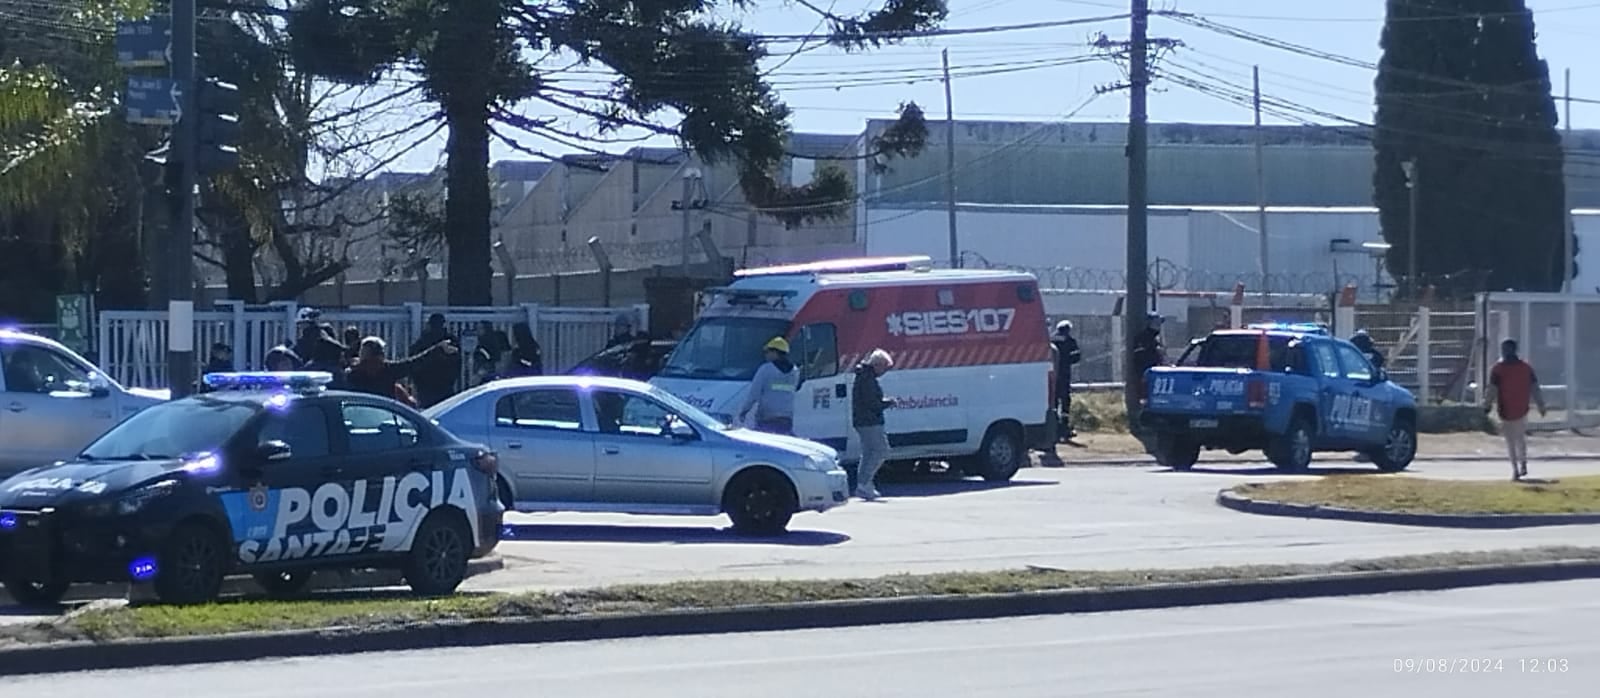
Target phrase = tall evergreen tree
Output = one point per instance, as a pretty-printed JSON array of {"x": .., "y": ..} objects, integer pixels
[{"x": 1463, "y": 98}]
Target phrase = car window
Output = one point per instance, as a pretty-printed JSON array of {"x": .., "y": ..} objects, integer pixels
[
  {"x": 1356, "y": 366},
  {"x": 303, "y": 427},
  {"x": 1327, "y": 360},
  {"x": 375, "y": 429},
  {"x": 817, "y": 351},
  {"x": 540, "y": 409},
  {"x": 33, "y": 369},
  {"x": 623, "y": 413}
]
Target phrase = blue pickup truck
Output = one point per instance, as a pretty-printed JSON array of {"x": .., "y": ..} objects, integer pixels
[{"x": 1288, "y": 390}]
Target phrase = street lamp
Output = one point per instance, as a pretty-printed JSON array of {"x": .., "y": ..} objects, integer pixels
[
  {"x": 691, "y": 183},
  {"x": 1412, "y": 187},
  {"x": 508, "y": 266}
]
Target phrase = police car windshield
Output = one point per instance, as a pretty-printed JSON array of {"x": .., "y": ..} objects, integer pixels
[
  {"x": 724, "y": 348},
  {"x": 173, "y": 429}
]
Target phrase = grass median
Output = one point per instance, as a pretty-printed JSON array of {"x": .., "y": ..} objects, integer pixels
[
  {"x": 154, "y": 621},
  {"x": 1414, "y": 495}
]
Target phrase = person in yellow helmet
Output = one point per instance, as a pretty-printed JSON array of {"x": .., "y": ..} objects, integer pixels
[{"x": 772, "y": 389}]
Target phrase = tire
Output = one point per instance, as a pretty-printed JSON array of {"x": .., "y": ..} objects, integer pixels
[
  {"x": 35, "y": 594},
  {"x": 193, "y": 562},
  {"x": 283, "y": 584},
  {"x": 1399, "y": 449},
  {"x": 1178, "y": 452},
  {"x": 437, "y": 561},
  {"x": 1001, "y": 455},
  {"x": 1291, "y": 451},
  {"x": 760, "y": 502}
]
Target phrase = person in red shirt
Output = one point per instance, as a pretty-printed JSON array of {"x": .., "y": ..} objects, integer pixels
[{"x": 1514, "y": 389}]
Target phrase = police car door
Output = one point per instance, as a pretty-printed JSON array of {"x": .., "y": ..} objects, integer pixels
[
  {"x": 391, "y": 474},
  {"x": 1367, "y": 415},
  {"x": 272, "y": 518}
]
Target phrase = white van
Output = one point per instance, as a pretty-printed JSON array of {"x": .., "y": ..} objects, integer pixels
[{"x": 973, "y": 376}]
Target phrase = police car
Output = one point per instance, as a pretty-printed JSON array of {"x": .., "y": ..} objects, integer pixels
[{"x": 269, "y": 474}]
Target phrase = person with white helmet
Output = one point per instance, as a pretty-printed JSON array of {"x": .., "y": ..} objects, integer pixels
[
  {"x": 772, "y": 391},
  {"x": 1067, "y": 355}
]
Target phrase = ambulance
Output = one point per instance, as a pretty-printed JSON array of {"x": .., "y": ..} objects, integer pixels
[{"x": 973, "y": 377}]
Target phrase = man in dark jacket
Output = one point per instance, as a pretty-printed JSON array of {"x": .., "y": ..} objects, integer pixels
[
  {"x": 867, "y": 405},
  {"x": 373, "y": 373},
  {"x": 315, "y": 343},
  {"x": 1148, "y": 350},
  {"x": 1363, "y": 342},
  {"x": 1067, "y": 355},
  {"x": 436, "y": 375}
]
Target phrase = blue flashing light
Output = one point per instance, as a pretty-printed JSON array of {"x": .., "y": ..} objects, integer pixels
[
  {"x": 302, "y": 381},
  {"x": 142, "y": 569},
  {"x": 8, "y": 522},
  {"x": 201, "y": 463},
  {"x": 1297, "y": 327}
]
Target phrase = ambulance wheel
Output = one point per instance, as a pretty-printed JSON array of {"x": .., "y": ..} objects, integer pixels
[
  {"x": 1001, "y": 455},
  {"x": 438, "y": 559},
  {"x": 27, "y": 592},
  {"x": 284, "y": 583},
  {"x": 193, "y": 562}
]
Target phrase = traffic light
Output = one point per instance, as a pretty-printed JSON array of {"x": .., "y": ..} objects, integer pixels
[{"x": 217, "y": 133}]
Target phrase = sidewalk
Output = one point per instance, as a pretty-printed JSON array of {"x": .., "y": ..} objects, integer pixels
[{"x": 1123, "y": 449}]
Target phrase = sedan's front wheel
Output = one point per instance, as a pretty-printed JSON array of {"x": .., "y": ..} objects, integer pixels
[{"x": 760, "y": 502}]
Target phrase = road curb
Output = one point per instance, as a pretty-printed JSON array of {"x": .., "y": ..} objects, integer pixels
[
  {"x": 83, "y": 656},
  {"x": 1461, "y": 458},
  {"x": 324, "y": 580},
  {"x": 1238, "y": 502}
]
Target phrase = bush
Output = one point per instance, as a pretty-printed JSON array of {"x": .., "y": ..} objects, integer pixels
[{"x": 1099, "y": 412}]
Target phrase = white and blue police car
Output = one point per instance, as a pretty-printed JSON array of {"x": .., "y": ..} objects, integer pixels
[{"x": 267, "y": 474}]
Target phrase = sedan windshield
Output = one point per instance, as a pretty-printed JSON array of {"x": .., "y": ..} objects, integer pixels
[
  {"x": 173, "y": 429},
  {"x": 723, "y": 348}
]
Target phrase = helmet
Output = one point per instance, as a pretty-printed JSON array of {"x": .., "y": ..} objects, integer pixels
[
  {"x": 309, "y": 315},
  {"x": 778, "y": 344},
  {"x": 1155, "y": 318},
  {"x": 1064, "y": 328}
]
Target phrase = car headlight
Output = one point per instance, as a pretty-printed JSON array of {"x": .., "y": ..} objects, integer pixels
[
  {"x": 821, "y": 464},
  {"x": 137, "y": 500}
]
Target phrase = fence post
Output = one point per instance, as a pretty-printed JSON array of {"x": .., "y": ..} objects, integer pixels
[
  {"x": 1425, "y": 346},
  {"x": 1569, "y": 355},
  {"x": 237, "y": 341},
  {"x": 1236, "y": 310},
  {"x": 1118, "y": 347},
  {"x": 1344, "y": 314},
  {"x": 414, "y": 316}
]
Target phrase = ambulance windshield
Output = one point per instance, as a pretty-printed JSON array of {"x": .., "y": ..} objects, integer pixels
[{"x": 723, "y": 348}]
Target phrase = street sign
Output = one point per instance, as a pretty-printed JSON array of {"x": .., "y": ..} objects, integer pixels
[
  {"x": 73, "y": 316},
  {"x": 153, "y": 101},
  {"x": 144, "y": 43}
]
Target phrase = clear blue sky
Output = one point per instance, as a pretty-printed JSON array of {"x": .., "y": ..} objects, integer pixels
[{"x": 1017, "y": 89}]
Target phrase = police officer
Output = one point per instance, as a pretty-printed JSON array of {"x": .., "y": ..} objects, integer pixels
[
  {"x": 1148, "y": 350},
  {"x": 772, "y": 391},
  {"x": 1067, "y": 355},
  {"x": 1363, "y": 342}
]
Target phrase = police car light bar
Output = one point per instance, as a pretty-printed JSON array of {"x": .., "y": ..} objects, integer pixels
[
  {"x": 265, "y": 380},
  {"x": 1300, "y": 327},
  {"x": 843, "y": 266}
]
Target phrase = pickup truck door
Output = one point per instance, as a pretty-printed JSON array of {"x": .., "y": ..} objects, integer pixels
[
  {"x": 1334, "y": 393},
  {"x": 1369, "y": 412}
]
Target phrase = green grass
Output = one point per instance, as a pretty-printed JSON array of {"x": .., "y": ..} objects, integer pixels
[
  {"x": 1099, "y": 413},
  {"x": 154, "y": 621},
  {"x": 1415, "y": 495}
]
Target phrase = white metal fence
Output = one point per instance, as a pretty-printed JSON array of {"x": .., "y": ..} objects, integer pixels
[
  {"x": 132, "y": 344},
  {"x": 1553, "y": 331}
]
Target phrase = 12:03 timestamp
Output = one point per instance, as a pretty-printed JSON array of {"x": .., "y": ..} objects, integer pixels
[{"x": 1443, "y": 665}]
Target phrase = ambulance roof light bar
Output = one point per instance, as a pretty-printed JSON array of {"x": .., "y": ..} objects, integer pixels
[
  {"x": 298, "y": 381},
  {"x": 854, "y": 265}
]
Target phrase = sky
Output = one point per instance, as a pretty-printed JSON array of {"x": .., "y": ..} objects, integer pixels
[{"x": 1031, "y": 75}]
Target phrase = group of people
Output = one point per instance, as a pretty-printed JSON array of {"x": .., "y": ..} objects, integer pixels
[{"x": 428, "y": 376}]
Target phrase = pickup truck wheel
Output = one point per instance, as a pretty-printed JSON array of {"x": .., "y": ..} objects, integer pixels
[
  {"x": 1177, "y": 452},
  {"x": 1291, "y": 452},
  {"x": 1399, "y": 450}
]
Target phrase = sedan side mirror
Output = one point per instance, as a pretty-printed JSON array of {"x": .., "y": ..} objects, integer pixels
[
  {"x": 274, "y": 452},
  {"x": 679, "y": 430}
]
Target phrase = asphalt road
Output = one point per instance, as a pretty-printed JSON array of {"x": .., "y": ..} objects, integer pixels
[
  {"x": 1534, "y": 640},
  {"x": 1079, "y": 518}
]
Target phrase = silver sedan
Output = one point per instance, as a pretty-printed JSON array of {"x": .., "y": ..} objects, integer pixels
[{"x": 590, "y": 444}]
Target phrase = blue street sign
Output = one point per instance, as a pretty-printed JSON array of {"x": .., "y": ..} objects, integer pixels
[
  {"x": 145, "y": 43},
  {"x": 153, "y": 101}
]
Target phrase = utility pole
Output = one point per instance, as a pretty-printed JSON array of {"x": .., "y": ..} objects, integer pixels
[
  {"x": 950, "y": 162},
  {"x": 1261, "y": 193},
  {"x": 691, "y": 183},
  {"x": 1572, "y": 228},
  {"x": 1138, "y": 264},
  {"x": 181, "y": 177}
]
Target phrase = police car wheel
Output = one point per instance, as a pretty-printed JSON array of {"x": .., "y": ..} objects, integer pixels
[
  {"x": 1399, "y": 450},
  {"x": 37, "y": 594},
  {"x": 1177, "y": 452},
  {"x": 283, "y": 583},
  {"x": 1291, "y": 452},
  {"x": 192, "y": 562},
  {"x": 438, "y": 559},
  {"x": 760, "y": 502}
]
